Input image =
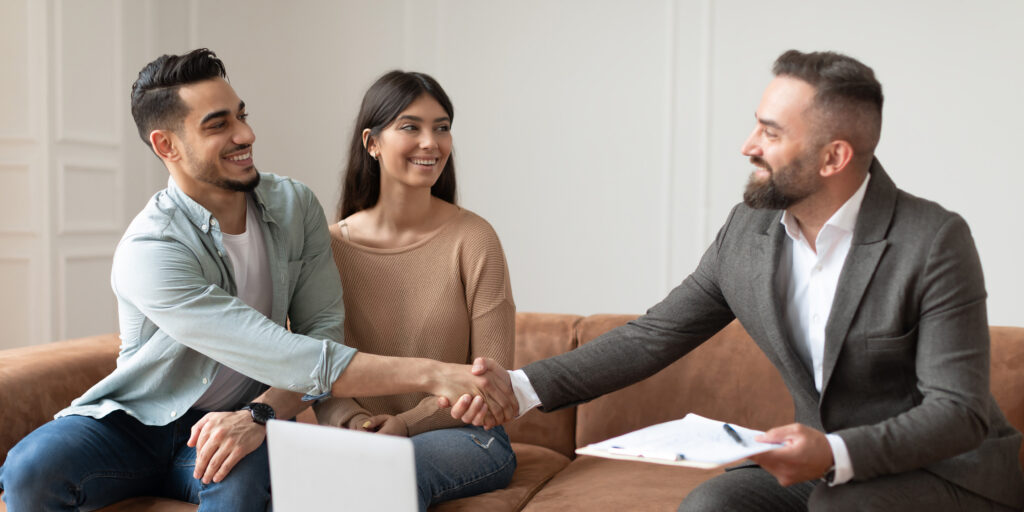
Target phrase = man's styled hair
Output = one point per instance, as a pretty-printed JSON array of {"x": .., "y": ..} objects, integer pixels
[
  {"x": 156, "y": 104},
  {"x": 848, "y": 98}
]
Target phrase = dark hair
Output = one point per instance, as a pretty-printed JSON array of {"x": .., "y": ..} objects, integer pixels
[
  {"x": 848, "y": 97},
  {"x": 382, "y": 103},
  {"x": 155, "y": 100}
]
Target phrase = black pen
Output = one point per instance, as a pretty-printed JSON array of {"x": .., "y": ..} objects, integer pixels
[{"x": 732, "y": 433}]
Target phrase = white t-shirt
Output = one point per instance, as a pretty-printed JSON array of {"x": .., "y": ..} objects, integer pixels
[{"x": 247, "y": 255}]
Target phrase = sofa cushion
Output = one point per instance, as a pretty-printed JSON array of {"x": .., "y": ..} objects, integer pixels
[
  {"x": 539, "y": 336},
  {"x": 714, "y": 381},
  {"x": 535, "y": 466},
  {"x": 592, "y": 483},
  {"x": 1007, "y": 377}
]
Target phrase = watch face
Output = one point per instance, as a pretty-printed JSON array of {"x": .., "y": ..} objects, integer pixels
[{"x": 261, "y": 413}]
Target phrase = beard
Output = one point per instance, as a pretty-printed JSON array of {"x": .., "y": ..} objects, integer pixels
[
  {"x": 783, "y": 187},
  {"x": 208, "y": 172}
]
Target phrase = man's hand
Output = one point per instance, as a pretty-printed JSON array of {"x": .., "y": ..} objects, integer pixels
[
  {"x": 221, "y": 440},
  {"x": 805, "y": 454},
  {"x": 496, "y": 387}
]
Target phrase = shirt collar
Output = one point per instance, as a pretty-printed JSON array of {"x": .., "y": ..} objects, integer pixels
[
  {"x": 195, "y": 212},
  {"x": 845, "y": 218},
  {"x": 199, "y": 215}
]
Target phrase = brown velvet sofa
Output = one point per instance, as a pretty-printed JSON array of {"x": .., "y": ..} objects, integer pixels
[{"x": 727, "y": 378}]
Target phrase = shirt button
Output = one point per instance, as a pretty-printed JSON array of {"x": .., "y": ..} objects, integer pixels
[
  {"x": 174, "y": 413},
  {"x": 205, "y": 380},
  {"x": 815, "y": 318},
  {"x": 220, "y": 253},
  {"x": 817, "y": 268},
  {"x": 205, "y": 227},
  {"x": 213, "y": 222}
]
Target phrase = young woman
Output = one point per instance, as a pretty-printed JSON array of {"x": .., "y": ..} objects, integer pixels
[{"x": 422, "y": 278}]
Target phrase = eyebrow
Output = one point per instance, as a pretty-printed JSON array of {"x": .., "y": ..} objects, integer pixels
[
  {"x": 767, "y": 122},
  {"x": 221, "y": 113},
  {"x": 420, "y": 120}
]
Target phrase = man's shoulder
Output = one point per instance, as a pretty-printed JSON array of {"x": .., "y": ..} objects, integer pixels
[
  {"x": 275, "y": 185},
  {"x": 912, "y": 208},
  {"x": 156, "y": 218},
  {"x": 746, "y": 219}
]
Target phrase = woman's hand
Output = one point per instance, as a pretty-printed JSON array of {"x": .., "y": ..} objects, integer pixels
[{"x": 385, "y": 424}]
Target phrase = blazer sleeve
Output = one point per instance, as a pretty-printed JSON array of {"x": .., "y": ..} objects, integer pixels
[
  {"x": 952, "y": 365},
  {"x": 690, "y": 314}
]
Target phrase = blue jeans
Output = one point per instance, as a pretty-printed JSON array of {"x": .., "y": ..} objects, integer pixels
[
  {"x": 458, "y": 462},
  {"x": 83, "y": 463}
]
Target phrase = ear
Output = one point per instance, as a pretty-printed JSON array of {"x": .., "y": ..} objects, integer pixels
[
  {"x": 370, "y": 143},
  {"x": 165, "y": 144},
  {"x": 837, "y": 156}
]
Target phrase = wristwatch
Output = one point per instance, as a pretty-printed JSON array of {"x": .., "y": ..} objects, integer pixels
[{"x": 261, "y": 413}]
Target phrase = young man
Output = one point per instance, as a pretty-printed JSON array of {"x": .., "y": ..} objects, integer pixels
[
  {"x": 868, "y": 300},
  {"x": 206, "y": 278}
]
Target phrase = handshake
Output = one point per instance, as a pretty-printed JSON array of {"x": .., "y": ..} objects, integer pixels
[{"x": 482, "y": 396}]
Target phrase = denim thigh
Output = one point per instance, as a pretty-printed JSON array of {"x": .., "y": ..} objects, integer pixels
[
  {"x": 247, "y": 486},
  {"x": 79, "y": 462},
  {"x": 458, "y": 462}
]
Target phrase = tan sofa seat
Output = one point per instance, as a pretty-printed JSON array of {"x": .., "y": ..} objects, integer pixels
[{"x": 726, "y": 378}]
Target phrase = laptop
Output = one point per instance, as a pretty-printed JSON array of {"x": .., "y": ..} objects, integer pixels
[{"x": 315, "y": 468}]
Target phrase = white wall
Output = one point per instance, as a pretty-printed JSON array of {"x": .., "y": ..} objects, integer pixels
[{"x": 600, "y": 138}]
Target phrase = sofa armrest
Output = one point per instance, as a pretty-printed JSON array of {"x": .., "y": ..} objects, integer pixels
[{"x": 38, "y": 381}]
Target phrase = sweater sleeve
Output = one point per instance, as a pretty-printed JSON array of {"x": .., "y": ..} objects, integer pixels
[
  {"x": 337, "y": 412},
  {"x": 492, "y": 314}
]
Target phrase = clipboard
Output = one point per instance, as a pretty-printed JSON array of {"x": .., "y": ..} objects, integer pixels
[{"x": 693, "y": 441}]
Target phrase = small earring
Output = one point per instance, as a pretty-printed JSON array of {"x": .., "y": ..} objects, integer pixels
[{"x": 373, "y": 155}]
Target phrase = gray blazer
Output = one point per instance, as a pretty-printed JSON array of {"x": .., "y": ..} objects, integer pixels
[{"x": 906, "y": 365}]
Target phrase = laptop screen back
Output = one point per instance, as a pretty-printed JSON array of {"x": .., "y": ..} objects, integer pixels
[{"x": 314, "y": 467}]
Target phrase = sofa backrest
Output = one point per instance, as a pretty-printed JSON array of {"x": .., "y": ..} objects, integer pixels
[
  {"x": 539, "y": 336},
  {"x": 68, "y": 369},
  {"x": 1007, "y": 377},
  {"x": 727, "y": 378}
]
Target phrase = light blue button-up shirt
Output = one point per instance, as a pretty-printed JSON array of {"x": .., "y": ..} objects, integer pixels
[{"x": 180, "y": 318}]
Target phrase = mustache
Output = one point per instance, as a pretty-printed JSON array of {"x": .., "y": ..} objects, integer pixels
[
  {"x": 247, "y": 146},
  {"x": 758, "y": 161}
]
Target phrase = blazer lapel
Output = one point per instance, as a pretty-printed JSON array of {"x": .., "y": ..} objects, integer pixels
[
  {"x": 866, "y": 251},
  {"x": 768, "y": 250}
]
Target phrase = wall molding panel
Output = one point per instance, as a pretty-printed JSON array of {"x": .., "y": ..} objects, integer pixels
[
  {"x": 87, "y": 110},
  {"x": 88, "y": 195},
  {"x": 17, "y": 200},
  {"x": 86, "y": 306},
  {"x": 17, "y": 299}
]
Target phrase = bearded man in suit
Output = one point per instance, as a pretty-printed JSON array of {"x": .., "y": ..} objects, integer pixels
[{"x": 868, "y": 300}]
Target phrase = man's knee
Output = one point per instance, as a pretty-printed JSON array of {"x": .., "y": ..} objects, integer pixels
[
  {"x": 32, "y": 477},
  {"x": 850, "y": 498}
]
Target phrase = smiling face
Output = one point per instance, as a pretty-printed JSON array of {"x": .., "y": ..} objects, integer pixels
[
  {"x": 783, "y": 147},
  {"x": 415, "y": 147},
  {"x": 216, "y": 140}
]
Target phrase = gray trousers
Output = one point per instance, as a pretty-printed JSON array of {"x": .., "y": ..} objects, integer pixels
[{"x": 752, "y": 489}]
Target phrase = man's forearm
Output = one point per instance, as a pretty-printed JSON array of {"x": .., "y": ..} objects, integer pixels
[
  {"x": 286, "y": 404},
  {"x": 374, "y": 375}
]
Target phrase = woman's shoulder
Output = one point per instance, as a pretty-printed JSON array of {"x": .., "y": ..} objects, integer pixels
[{"x": 470, "y": 225}]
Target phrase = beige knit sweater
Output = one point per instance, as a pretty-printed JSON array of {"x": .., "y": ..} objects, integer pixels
[{"x": 446, "y": 297}]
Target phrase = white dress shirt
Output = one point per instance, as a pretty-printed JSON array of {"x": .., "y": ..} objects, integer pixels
[{"x": 808, "y": 286}]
